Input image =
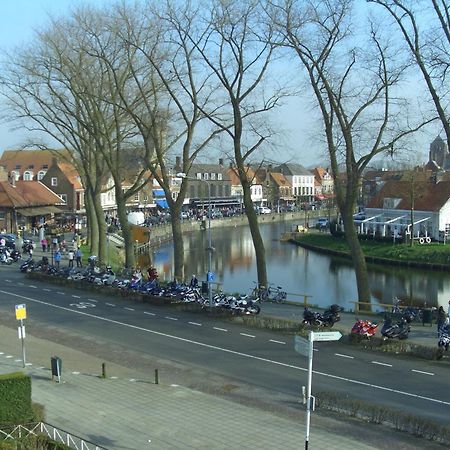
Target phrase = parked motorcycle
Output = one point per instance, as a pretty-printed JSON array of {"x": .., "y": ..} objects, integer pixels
[
  {"x": 398, "y": 330},
  {"x": 444, "y": 339},
  {"x": 327, "y": 319},
  {"x": 5, "y": 256},
  {"x": 364, "y": 328},
  {"x": 27, "y": 266}
]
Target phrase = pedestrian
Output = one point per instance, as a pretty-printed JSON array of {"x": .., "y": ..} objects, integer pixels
[
  {"x": 44, "y": 244},
  {"x": 194, "y": 282},
  {"x": 57, "y": 258},
  {"x": 71, "y": 256},
  {"x": 55, "y": 243},
  {"x": 441, "y": 319},
  {"x": 79, "y": 255}
]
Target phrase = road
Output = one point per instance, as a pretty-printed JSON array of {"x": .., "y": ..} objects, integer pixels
[{"x": 263, "y": 360}]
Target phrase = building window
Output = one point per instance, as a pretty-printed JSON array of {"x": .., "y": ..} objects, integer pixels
[
  {"x": 63, "y": 197},
  {"x": 206, "y": 176},
  {"x": 219, "y": 176},
  {"x": 18, "y": 167},
  {"x": 213, "y": 176},
  {"x": 54, "y": 181},
  {"x": 136, "y": 197},
  {"x": 145, "y": 198},
  {"x": 199, "y": 176},
  {"x": 27, "y": 175},
  {"x": 45, "y": 166},
  {"x": 31, "y": 166},
  {"x": 40, "y": 175}
]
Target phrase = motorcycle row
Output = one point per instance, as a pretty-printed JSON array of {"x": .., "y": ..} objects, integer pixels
[
  {"x": 135, "y": 282},
  {"x": 398, "y": 328}
]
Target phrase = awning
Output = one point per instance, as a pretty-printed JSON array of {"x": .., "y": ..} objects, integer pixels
[
  {"x": 38, "y": 211},
  {"x": 162, "y": 203},
  {"x": 159, "y": 193}
]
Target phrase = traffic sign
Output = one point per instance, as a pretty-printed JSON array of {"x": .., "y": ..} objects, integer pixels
[
  {"x": 21, "y": 312},
  {"x": 301, "y": 345},
  {"x": 326, "y": 336}
]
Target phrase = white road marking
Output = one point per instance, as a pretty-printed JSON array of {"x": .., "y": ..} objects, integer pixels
[
  {"x": 132, "y": 379},
  {"x": 219, "y": 329},
  {"x": 231, "y": 352},
  {"x": 75, "y": 373},
  {"x": 381, "y": 363},
  {"x": 110, "y": 304},
  {"x": 247, "y": 335},
  {"x": 129, "y": 309},
  {"x": 1, "y": 353},
  {"x": 28, "y": 364},
  {"x": 195, "y": 323},
  {"x": 9, "y": 356},
  {"x": 17, "y": 360},
  {"x": 170, "y": 318},
  {"x": 276, "y": 342},
  {"x": 31, "y": 286},
  {"x": 422, "y": 372},
  {"x": 8, "y": 281},
  {"x": 114, "y": 378},
  {"x": 76, "y": 296},
  {"x": 92, "y": 300},
  {"x": 344, "y": 356},
  {"x": 46, "y": 290},
  {"x": 149, "y": 313},
  {"x": 61, "y": 293}
]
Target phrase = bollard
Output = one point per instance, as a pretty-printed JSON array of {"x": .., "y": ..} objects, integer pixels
[
  {"x": 103, "y": 370},
  {"x": 156, "y": 376}
]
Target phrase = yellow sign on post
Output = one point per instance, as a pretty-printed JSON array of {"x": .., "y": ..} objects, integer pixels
[{"x": 21, "y": 312}]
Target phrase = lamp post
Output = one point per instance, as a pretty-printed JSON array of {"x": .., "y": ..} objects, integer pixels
[{"x": 210, "y": 248}]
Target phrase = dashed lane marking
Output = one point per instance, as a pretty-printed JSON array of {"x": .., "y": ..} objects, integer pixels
[
  {"x": 344, "y": 356},
  {"x": 61, "y": 293},
  {"x": 422, "y": 372},
  {"x": 75, "y": 373},
  {"x": 110, "y": 304},
  {"x": 46, "y": 290},
  {"x": 8, "y": 281},
  {"x": 75, "y": 296},
  {"x": 129, "y": 309},
  {"x": 32, "y": 286},
  {"x": 247, "y": 335},
  {"x": 232, "y": 352},
  {"x": 195, "y": 323},
  {"x": 92, "y": 300},
  {"x": 17, "y": 360},
  {"x": 9, "y": 356},
  {"x": 170, "y": 318},
  {"x": 381, "y": 363},
  {"x": 28, "y": 364},
  {"x": 277, "y": 342},
  {"x": 219, "y": 329},
  {"x": 149, "y": 313}
]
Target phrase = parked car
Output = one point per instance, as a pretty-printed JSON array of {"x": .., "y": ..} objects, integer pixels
[
  {"x": 322, "y": 222},
  {"x": 10, "y": 241},
  {"x": 264, "y": 210}
]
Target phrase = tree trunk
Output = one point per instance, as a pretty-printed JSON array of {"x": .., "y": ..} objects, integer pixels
[
  {"x": 258, "y": 243},
  {"x": 178, "y": 246},
  {"x": 130, "y": 259},
  {"x": 91, "y": 223},
  {"x": 101, "y": 228}
]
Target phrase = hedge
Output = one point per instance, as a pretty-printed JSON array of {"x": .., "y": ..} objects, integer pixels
[{"x": 15, "y": 398}]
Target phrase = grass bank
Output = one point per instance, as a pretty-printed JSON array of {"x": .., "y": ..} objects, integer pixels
[{"x": 434, "y": 253}]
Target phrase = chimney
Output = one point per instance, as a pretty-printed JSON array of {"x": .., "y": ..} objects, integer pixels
[
  {"x": 3, "y": 174},
  {"x": 177, "y": 163},
  {"x": 221, "y": 162}
]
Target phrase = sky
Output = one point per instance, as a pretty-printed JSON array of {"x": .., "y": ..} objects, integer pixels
[{"x": 297, "y": 128}]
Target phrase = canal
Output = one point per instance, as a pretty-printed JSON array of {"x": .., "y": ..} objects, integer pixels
[{"x": 324, "y": 278}]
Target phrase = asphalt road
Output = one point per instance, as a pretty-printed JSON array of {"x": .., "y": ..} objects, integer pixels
[{"x": 263, "y": 360}]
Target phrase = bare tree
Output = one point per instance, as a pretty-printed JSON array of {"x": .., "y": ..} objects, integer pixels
[
  {"x": 430, "y": 49},
  {"x": 238, "y": 49},
  {"x": 354, "y": 87}
]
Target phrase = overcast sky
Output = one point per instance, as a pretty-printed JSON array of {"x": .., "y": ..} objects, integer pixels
[{"x": 21, "y": 17}]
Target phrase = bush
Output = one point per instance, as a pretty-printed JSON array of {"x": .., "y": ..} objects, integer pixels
[{"x": 15, "y": 399}]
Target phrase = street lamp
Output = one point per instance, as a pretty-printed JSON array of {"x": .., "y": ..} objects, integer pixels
[{"x": 210, "y": 248}]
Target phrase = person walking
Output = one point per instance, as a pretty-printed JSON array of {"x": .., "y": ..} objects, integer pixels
[
  {"x": 441, "y": 319},
  {"x": 44, "y": 244},
  {"x": 57, "y": 258},
  {"x": 79, "y": 256},
  {"x": 71, "y": 256}
]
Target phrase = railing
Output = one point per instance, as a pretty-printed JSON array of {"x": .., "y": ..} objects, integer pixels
[{"x": 56, "y": 434}]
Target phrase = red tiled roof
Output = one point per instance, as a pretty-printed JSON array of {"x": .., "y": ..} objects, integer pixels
[
  {"x": 71, "y": 173},
  {"x": 27, "y": 193},
  {"x": 428, "y": 196},
  {"x": 280, "y": 179}
]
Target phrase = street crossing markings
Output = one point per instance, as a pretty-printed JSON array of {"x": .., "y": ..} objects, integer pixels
[
  {"x": 277, "y": 342},
  {"x": 381, "y": 363},
  {"x": 247, "y": 335},
  {"x": 344, "y": 356},
  {"x": 422, "y": 372},
  {"x": 219, "y": 329},
  {"x": 195, "y": 323},
  {"x": 170, "y": 318}
]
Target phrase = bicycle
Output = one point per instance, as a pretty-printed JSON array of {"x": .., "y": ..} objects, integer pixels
[
  {"x": 279, "y": 296},
  {"x": 260, "y": 292}
]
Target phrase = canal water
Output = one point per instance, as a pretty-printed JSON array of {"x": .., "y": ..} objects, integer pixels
[{"x": 324, "y": 279}]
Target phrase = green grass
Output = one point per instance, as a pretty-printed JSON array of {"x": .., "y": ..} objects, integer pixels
[{"x": 435, "y": 253}]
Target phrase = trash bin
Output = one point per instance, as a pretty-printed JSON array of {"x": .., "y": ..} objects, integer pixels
[
  {"x": 427, "y": 317},
  {"x": 204, "y": 287},
  {"x": 56, "y": 364}
]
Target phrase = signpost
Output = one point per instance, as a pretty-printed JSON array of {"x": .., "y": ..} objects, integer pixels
[
  {"x": 306, "y": 348},
  {"x": 21, "y": 313}
]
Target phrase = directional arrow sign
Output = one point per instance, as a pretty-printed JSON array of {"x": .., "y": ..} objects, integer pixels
[{"x": 326, "y": 336}]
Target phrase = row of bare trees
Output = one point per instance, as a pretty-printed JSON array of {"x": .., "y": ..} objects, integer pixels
[{"x": 128, "y": 87}]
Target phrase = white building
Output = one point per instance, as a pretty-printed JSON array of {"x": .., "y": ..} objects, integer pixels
[{"x": 301, "y": 180}]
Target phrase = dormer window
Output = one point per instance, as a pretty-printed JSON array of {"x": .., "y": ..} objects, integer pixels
[
  {"x": 41, "y": 175},
  {"x": 31, "y": 166},
  {"x": 45, "y": 166},
  {"x": 27, "y": 175},
  {"x": 54, "y": 181},
  {"x": 18, "y": 167}
]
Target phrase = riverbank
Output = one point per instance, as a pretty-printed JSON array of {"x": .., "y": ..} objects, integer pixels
[{"x": 433, "y": 256}]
